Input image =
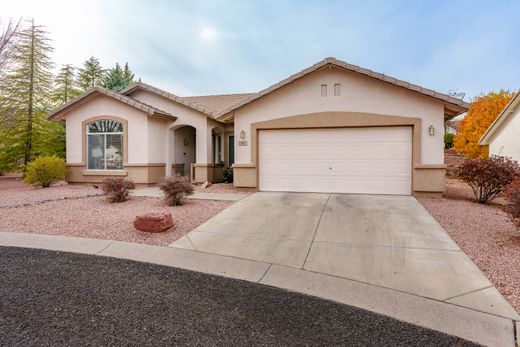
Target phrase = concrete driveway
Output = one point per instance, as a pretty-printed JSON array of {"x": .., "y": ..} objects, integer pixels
[{"x": 386, "y": 241}]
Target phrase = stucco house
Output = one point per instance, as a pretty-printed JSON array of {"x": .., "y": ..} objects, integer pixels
[
  {"x": 503, "y": 134},
  {"x": 333, "y": 127}
]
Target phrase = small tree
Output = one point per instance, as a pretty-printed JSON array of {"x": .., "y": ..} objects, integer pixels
[
  {"x": 448, "y": 140},
  {"x": 483, "y": 111},
  {"x": 487, "y": 177},
  {"x": 175, "y": 189},
  {"x": 44, "y": 171},
  {"x": 512, "y": 194}
]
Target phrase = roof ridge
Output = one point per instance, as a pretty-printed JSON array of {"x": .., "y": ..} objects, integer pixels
[{"x": 216, "y": 95}]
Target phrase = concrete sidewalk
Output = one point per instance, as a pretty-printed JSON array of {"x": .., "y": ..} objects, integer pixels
[
  {"x": 471, "y": 324},
  {"x": 155, "y": 192}
]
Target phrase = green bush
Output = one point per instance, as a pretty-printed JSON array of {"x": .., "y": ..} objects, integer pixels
[
  {"x": 44, "y": 171},
  {"x": 228, "y": 175},
  {"x": 448, "y": 140}
]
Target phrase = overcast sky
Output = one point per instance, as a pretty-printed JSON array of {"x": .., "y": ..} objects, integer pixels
[{"x": 213, "y": 47}]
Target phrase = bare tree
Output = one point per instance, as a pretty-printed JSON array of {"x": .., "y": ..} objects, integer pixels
[{"x": 8, "y": 40}]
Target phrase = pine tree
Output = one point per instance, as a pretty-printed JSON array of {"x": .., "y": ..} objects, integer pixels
[
  {"x": 117, "y": 79},
  {"x": 91, "y": 74},
  {"x": 65, "y": 85},
  {"x": 25, "y": 96}
]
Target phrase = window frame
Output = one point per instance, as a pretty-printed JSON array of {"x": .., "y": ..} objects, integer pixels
[{"x": 120, "y": 133}]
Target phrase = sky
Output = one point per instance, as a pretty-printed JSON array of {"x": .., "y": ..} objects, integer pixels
[{"x": 216, "y": 47}]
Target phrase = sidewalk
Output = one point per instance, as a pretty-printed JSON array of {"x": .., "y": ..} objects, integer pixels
[
  {"x": 155, "y": 192},
  {"x": 483, "y": 328}
]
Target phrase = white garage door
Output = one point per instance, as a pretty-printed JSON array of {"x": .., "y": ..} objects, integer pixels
[{"x": 375, "y": 160}]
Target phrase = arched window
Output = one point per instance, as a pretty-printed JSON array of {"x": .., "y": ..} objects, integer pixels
[{"x": 105, "y": 145}]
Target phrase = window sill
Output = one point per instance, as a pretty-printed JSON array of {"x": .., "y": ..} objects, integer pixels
[{"x": 105, "y": 173}]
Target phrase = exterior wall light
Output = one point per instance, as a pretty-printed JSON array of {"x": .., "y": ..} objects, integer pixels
[
  {"x": 242, "y": 134},
  {"x": 431, "y": 130}
]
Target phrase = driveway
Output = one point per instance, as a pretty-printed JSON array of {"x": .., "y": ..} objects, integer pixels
[{"x": 386, "y": 241}]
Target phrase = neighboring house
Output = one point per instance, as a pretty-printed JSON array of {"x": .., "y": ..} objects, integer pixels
[
  {"x": 503, "y": 134},
  {"x": 333, "y": 127}
]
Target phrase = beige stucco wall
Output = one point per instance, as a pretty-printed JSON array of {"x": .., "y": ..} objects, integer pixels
[
  {"x": 185, "y": 116},
  {"x": 504, "y": 141},
  {"x": 157, "y": 140},
  {"x": 137, "y": 151},
  {"x": 358, "y": 94}
]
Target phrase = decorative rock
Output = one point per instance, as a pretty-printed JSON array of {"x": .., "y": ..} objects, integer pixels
[
  {"x": 206, "y": 184},
  {"x": 153, "y": 222}
]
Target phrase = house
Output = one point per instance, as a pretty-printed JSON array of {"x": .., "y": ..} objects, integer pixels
[
  {"x": 502, "y": 135},
  {"x": 333, "y": 127}
]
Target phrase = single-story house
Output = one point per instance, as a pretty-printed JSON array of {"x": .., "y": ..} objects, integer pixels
[
  {"x": 503, "y": 134},
  {"x": 333, "y": 127}
]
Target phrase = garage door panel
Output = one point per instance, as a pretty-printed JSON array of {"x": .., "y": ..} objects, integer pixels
[{"x": 352, "y": 160}]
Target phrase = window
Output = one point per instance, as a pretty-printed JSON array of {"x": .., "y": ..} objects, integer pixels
[
  {"x": 337, "y": 89},
  {"x": 323, "y": 90},
  {"x": 105, "y": 145}
]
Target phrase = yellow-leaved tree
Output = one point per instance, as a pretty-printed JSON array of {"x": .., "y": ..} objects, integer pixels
[{"x": 483, "y": 111}]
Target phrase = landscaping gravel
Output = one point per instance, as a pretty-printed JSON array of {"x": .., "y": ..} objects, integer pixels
[
  {"x": 484, "y": 233},
  {"x": 220, "y": 188},
  {"x": 63, "y": 299},
  {"x": 14, "y": 192}
]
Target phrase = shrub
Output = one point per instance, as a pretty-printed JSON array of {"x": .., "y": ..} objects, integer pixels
[
  {"x": 44, "y": 171},
  {"x": 117, "y": 188},
  {"x": 512, "y": 194},
  {"x": 448, "y": 140},
  {"x": 488, "y": 177},
  {"x": 175, "y": 189},
  {"x": 228, "y": 175}
]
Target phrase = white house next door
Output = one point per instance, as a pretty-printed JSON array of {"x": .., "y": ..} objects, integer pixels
[{"x": 367, "y": 160}]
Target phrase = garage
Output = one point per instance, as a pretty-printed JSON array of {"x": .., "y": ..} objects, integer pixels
[{"x": 364, "y": 160}]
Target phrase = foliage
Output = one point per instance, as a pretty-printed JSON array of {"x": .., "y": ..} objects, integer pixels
[
  {"x": 65, "y": 85},
  {"x": 8, "y": 43},
  {"x": 483, "y": 111},
  {"x": 25, "y": 99},
  {"x": 175, "y": 189},
  {"x": 228, "y": 175},
  {"x": 44, "y": 171},
  {"x": 448, "y": 140},
  {"x": 117, "y": 188},
  {"x": 512, "y": 194},
  {"x": 90, "y": 74},
  {"x": 117, "y": 79},
  {"x": 487, "y": 177}
]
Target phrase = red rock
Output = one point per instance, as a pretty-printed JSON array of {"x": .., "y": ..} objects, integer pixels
[{"x": 153, "y": 222}]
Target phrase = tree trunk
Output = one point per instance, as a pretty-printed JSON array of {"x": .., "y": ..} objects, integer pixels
[{"x": 29, "y": 128}]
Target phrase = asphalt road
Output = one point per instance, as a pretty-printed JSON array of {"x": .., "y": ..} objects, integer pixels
[{"x": 55, "y": 299}]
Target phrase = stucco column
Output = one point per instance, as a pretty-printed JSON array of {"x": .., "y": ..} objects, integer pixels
[{"x": 170, "y": 150}]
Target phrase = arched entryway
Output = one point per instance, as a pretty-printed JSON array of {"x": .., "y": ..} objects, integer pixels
[{"x": 183, "y": 149}]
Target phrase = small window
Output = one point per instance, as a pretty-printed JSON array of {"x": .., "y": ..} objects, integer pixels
[
  {"x": 337, "y": 89},
  {"x": 105, "y": 145},
  {"x": 323, "y": 90}
]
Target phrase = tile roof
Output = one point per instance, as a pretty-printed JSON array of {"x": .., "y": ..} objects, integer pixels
[
  {"x": 149, "y": 110},
  {"x": 218, "y": 103},
  {"x": 454, "y": 106}
]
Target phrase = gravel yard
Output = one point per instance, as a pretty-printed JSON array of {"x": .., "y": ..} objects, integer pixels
[
  {"x": 484, "y": 233},
  {"x": 79, "y": 210}
]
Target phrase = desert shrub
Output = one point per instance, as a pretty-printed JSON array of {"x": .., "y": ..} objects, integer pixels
[
  {"x": 175, "y": 189},
  {"x": 512, "y": 194},
  {"x": 448, "y": 140},
  {"x": 116, "y": 189},
  {"x": 489, "y": 176},
  {"x": 228, "y": 175},
  {"x": 44, "y": 171}
]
